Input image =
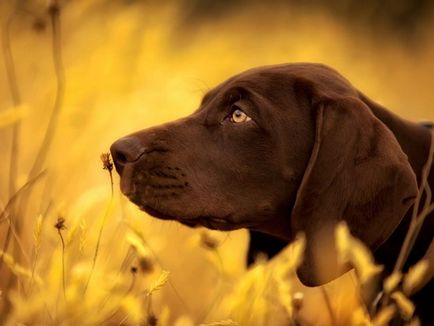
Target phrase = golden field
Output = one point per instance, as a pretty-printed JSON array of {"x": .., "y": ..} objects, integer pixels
[{"x": 128, "y": 66}]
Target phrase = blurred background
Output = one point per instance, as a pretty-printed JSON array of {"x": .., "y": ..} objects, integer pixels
[{"x": 126, "y": 65}]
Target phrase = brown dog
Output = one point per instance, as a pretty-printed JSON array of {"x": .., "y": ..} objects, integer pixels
[{"x": 280, "y": 150}]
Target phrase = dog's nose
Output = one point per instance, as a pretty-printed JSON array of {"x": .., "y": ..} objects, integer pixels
[{"x": 124, "y": 151}]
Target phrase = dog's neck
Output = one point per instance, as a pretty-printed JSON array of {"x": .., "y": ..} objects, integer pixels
[{"x": 415, "y": 140}]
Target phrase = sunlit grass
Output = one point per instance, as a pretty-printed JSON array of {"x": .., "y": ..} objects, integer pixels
[{"x": 130, "y": 67}]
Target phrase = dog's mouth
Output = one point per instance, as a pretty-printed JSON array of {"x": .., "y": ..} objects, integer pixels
[
  {"x": 210, "y": 222},
  {"x": 130, "y": 186},
  {"x": 160, "y": 182},
  {"x": 160, "y": 193}
]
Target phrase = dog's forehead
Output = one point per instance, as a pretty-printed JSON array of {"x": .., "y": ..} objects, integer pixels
[
  {"x": 259, "y": 82},
  {"x": 277, "y": 80}
]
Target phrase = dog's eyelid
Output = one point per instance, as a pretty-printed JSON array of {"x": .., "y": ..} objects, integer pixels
[
  {"x": 238, "y": 106},
  {"x": 241, "y": 104}
]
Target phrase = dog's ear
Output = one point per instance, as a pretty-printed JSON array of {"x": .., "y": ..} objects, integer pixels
[{"x": 358, "y": 173}]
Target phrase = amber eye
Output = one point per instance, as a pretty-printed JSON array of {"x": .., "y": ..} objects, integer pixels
[{"x": 238, "y": 116}]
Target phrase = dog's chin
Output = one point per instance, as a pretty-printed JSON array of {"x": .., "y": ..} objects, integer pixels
[
  {"x": 210, "y": 222},
  {"x": 161, "y": 210}
]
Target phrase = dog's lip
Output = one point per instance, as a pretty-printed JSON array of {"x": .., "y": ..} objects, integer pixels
[{"x": 210, "y": 222}]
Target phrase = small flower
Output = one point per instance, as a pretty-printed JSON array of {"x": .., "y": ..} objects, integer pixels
[
  {"x": 208, "y": 242},
  {"x": 60, "y": 224},
  {"x": 106, "y": 162},
  {"x": 152, "y": 320}
]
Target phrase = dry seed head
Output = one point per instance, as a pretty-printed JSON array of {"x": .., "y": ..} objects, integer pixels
[
  {"x": 360, "y": 317},
  {"x": 160, "y": 282},
  {"x": 208, "y": 242},
  {"x": 60, "y": 224},
  {"x": 297, "y": 301},
  {"x": 17, "y": 269},
  {"x": 415, "y": 276},
  {"x": 384, "y": 316},
  {"x": 106, "y": 162},
  {"x": 146, "y": 264},
  {"x": 406, "y": 307},
  {"x": 392, "y": 281},
  {"x": 352, "y": 250},
  {"x": 53, "y": 7},
  {"x": 152, "y": 320}
]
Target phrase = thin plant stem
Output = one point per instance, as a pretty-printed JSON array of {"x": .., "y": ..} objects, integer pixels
[
  {"x": 417, "y": 218},
  {"x": 16, "y": 127},
  {"x": 18, "y": 241},
  {"x": 162, "y": 266},
  {"x": 328, "y": 305},
  {"x": 128, "y": 291},
  {"x": 111, "y": 183},
  {"x": 16, "y": 100},
  {"x": 59, "y": 231},
  {"x": 124, "y": 263},
  {"x": 12, "y": 201},
  {"x": 98, "y": 242},
  {"x": 54, "y": 12},
  {"x": 360, "y": 300},
  {"x": 218, "y": 289}
]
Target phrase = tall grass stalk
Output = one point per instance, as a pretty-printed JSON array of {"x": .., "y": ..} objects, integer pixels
[
  {"x": 16, "y": 99},
  {"x": 107, "y": 165},
  {"x": 54, "y": 13},
  {"x": 329, "y": 306},
  {"x": 5, "y": 213},
  {"x": 37, "y": 247},
  {"x": 60, "y": 225},
  {"x": 163, "y": 266},
  {"x": 217, "y": 291},
  {"x": 417, "y": 218},
  {"x": 16, "y": 127},
  {"x": 127, "y": 292}
]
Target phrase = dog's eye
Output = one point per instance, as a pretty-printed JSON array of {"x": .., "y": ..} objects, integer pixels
[{"x": 238, "y": 116}]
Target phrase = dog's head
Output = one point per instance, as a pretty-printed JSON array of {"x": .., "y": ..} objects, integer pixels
[{"x": 279, "y": 149}]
